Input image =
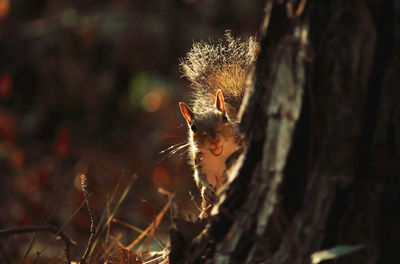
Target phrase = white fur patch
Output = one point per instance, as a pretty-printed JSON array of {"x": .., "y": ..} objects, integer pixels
[{"x": 213, "y": 166}]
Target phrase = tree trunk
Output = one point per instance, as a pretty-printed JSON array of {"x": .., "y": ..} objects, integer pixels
[{"x": 322, "y": 164}]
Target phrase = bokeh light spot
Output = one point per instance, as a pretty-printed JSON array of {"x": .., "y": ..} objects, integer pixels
[
  {"x": 4, "y": 8},
  {"x": 138, "y": 88},
  {"x": 153, "y": 100}
]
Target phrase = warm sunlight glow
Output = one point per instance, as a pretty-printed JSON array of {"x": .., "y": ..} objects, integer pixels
[{"x": 4, "y": 8}]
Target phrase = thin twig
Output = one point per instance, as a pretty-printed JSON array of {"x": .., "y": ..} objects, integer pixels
[
  {"x": 165, "y": 261},
  {"x": 104, "y": 221},
  {"x": 154, "y": 259},
  {"x": 116, "y": 240},
  {"x": 132, "y": 227},
  {"x": 89, "y": 206},
  {"x": 29, "y": 229},
  {"x": 138, "y": 230},
  {"x": 160, "y": 216},
  {"x": 108, "y": 226},
  {"x": 154, "y": 224}
]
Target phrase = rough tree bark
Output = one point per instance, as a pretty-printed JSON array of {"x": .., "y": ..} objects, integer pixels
[{"x": 322, "y": 166}]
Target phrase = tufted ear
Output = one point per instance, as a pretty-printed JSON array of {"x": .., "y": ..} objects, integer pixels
[
  {"x": 186, "y": 112},
  {"x": 219, "y": 102}
]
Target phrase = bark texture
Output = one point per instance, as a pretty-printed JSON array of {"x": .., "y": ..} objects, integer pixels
[{"x": 322, "y": 166}]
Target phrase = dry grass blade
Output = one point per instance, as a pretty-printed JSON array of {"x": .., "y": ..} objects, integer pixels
[
  {"x": 157, "y": 223},
  {"x": 138, "y": 230},
  {"x": 152, "y": 226},
  {"x": 105, "y": 215},
  {"x": 106, "y": 220},
  {"x": 333, "y": 253},
  {"x": 165, "y": 261},
  {"x": 115, "y": 240},
  {"x": 108, "y": 226},
  {"x": 154, "y": 259},
  {"x": 143, "y": 234},
  {"x": 132, "y": 227}
]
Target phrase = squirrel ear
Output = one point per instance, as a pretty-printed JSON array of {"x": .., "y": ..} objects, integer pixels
[
  {"x": 219, "y": 102},
  {"x": 186, "y": 112}
]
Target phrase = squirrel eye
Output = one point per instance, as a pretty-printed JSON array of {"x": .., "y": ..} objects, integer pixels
[
  {"x": 224, "y": 118},
  {"x": 193, "y": 127}
]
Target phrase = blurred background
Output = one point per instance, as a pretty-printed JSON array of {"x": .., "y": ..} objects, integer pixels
[{"x": 92, "y": 87}]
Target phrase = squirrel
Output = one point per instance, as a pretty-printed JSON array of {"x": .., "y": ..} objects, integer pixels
[{"x": 218, "y": 75}]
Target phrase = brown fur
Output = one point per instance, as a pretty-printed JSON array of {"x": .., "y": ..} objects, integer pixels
[
  {"x": 223, "y": 66},
  {"x": 218, "y": 75}
]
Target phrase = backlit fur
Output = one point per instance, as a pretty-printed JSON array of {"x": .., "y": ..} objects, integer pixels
[
  {"x": 223, "y": 66},
  {"x": 212, "y": 67}
]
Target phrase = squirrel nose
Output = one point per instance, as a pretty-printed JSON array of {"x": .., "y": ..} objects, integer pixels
[{"x": 215, "y": 140}]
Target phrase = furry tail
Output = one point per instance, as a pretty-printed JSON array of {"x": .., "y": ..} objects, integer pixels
[
  {"x": 224, "y": 65},
  {"x": 221, "y": 66}
]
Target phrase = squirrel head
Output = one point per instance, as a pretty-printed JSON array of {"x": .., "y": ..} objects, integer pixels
[{"x": 210, "y": 129}]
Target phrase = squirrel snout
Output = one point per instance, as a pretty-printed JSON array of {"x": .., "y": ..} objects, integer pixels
[
  {"x": 215, "y": 146},
  {"x": 215, "y": 141}
]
